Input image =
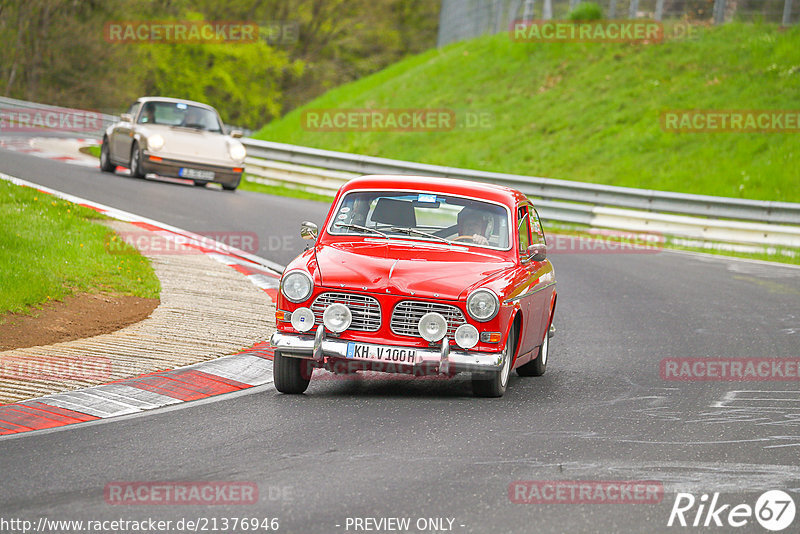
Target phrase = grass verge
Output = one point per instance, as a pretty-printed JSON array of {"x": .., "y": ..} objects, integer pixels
[
  {"x": 50, "y": 248},
  {"x": 92, "y": 150},
  {"x": 589, "y": 112}
]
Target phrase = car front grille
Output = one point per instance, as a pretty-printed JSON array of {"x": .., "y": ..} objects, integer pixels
[
  {"x": 365, "y": 309},
  {"x": 406, "y": 316}
]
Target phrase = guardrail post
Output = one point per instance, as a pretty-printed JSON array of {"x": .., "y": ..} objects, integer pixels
[
  {"x": 719, "y": 11},
  {"x": 787, "y": 13},
  {"x": 612, "y": 9},
  {"x": 547, "y": 10}
]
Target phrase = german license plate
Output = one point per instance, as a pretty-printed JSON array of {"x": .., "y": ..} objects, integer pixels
[
  {"x": 363, "y": 351},
  {"x": 196, "y": 174}
]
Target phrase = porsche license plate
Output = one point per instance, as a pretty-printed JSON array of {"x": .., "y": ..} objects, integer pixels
[
  {"x": 363, "y": 351},
  {"x": 185, "y": 172}
]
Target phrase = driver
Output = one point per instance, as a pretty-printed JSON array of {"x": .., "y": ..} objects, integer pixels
[
  {"x": 472, "y": 224},
  {"x": 193, "y": 118}
]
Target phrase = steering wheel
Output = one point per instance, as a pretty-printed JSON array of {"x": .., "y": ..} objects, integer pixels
[{"x": 464, "y": 238}]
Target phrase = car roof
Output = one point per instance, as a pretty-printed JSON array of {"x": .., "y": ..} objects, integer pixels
[
  {"x": 174, "y": 101},
  {"x": 493, "y": 192}
]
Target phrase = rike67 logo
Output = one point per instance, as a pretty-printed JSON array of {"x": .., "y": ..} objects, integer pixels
[{"x": 774, "y": 510}]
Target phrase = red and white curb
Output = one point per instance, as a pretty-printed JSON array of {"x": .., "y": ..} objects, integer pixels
[{"x": 247, "y": 369}]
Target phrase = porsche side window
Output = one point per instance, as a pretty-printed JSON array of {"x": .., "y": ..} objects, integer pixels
[
  {"x": 523, "y": 229},
  {"x": 133, "y": 109}
]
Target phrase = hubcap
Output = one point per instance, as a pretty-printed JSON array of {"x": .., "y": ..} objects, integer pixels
[
  {"x": 506, "y": 366},
  {"x": 545, "y": 348}
]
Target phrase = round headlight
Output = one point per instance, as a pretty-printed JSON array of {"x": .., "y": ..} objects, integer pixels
[
  {"x": 432, "y": 326},
  {"x": 155, "y": 142},
  {"x": 482, "y": 305},
  {"x": 466, "y": 336},
  {"x": 303, "y": 319},
  {"x": 337, "y": 318},
  {"x": 297, "y": 286},
  {"x": 236, "y": 151}
]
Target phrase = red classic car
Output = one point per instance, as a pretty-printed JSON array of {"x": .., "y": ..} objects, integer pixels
[{"x": 421, "y": 276}]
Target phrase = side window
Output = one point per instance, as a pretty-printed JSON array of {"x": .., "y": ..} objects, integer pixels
[
  {"x": 538, "y": 232},
  {"x": 523, "y": 229},
  {"x": 133, "y": 109}
]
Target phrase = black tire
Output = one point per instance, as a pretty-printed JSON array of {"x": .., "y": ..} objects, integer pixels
[
  {"x": 497, "y": 384},
  {"x": 200, "y": 183},
  {"x": 105, "y": 158},
  {"x": 230, "y": 187},
  {"x": 538, "y": 366},
  {"x": 135, "y": 164},
  {"x": 291, "y": 375}
]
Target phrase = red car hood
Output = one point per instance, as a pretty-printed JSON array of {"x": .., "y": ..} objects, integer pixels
[{"x": 445, "y": 273}]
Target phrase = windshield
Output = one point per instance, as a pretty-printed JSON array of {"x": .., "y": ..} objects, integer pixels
[
  {"x": 422, "y": 216},
  {"x": 179, "y": 114}
]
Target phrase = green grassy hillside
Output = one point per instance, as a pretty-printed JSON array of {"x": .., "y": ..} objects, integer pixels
[{"x": 588, "y": 111}]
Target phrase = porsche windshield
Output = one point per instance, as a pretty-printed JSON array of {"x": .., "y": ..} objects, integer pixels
[
  {"x": 179, "y": 114},
  {"x": 422, "y": 216}
]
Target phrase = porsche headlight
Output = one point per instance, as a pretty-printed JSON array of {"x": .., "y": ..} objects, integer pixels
[
  {"x": 297, "y": 286},
  {"x": 236, "y": 151},
  {"x": 482, "y": 304},
  {"x": 155, "y": 142}
]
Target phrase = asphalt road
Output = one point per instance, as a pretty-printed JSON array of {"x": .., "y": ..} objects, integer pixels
[{"x": 428, "y": 449}]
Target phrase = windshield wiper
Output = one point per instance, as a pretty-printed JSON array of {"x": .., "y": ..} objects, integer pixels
[
  {"x": 413, "y": 231},
  {"x": 359, "y": 227}
]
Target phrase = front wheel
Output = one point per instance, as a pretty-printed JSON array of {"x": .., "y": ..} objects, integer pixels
[
  {"x": 291, "y": 375},
  {"x": 538, "y": 366},
  {"x": 105, "y": 159},
  {"x": 497, "y": 384},
  {"x": 136, "y": 162}
]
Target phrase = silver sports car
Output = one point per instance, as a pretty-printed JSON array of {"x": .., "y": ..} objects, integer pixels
[{"x": 174, "y": 138}]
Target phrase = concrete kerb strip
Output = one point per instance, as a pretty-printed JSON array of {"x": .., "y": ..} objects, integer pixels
[{"x": 208, "y": 312}]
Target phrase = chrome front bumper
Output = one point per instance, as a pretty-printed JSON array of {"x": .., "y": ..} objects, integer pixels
[{"x": 318, "y": 347}]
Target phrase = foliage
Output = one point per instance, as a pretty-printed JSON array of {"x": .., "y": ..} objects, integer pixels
[
  {"x": 55, "y": 52},
  {"x": 586, "y": 11}
]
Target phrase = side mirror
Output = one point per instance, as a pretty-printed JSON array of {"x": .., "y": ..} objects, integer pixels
[
  {"x": 308, "y": 230},
  {"x": 126, "y": 117},
  {"x": 537, "y": 252},
  {"x": 236, "y": 134}
]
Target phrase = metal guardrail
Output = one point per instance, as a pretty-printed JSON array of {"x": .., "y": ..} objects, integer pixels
[
  {"x": 703, "y": 217},
  {"x": 32, "y": 117},
  {"x": 546, "y": 188}
]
